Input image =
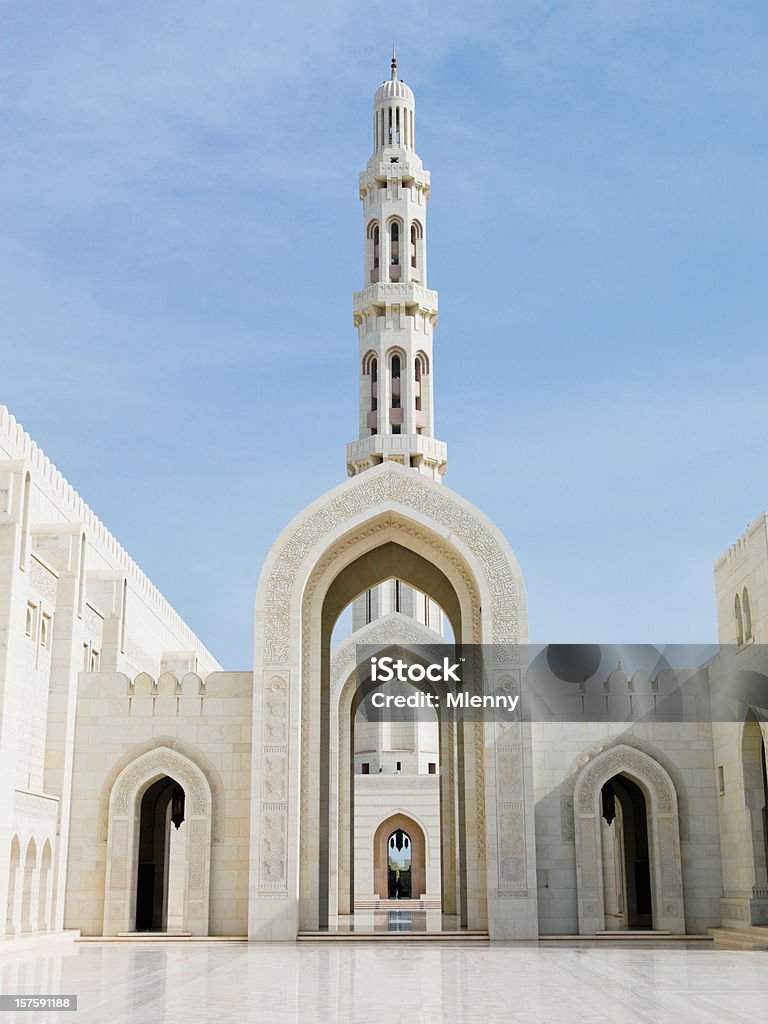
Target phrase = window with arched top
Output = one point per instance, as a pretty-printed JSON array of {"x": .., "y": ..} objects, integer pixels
[
  {"x": 396, "y": 366},
  {"x": 371, "y": 369},
  {"x": 372, "y": 235},
  {"x": 369, "y": 363},
  {"x": 739, "y": 620},
  {"x": 746, "y": 612},
  {"x": 421, "y": 368},
  {"x": 416, "y": 234},
  {"x": 394, "y": 250}
]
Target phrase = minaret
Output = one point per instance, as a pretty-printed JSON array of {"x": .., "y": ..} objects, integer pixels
[{"x": 395, "y": 313}]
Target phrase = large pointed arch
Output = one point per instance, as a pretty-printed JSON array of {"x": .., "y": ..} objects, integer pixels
[{"x": 331, "y": 552}]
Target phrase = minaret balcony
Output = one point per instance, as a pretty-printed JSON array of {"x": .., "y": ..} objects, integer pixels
[
  {"x": 407, "y": 171},
  {"x": 383, "y": 446},
  {"x": 396, "y": 293}
]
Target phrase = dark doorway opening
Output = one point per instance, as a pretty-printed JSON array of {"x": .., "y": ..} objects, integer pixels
[
  {"x": 625, "y": 812},
  {"x": 161, "y": 806},
  {"x": 399, "y": 850}
]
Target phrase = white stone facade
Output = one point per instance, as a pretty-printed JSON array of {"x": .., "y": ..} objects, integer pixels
[{"x": 144, "y": 788}]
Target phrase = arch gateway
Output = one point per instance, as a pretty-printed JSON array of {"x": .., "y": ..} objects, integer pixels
[{"x": 389, "y": 522}]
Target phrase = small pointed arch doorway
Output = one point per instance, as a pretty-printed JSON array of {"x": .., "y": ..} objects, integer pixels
[
  {"x": 159, "y": 846},
  {"x": 399, "y": 858},
  {"x": 627, "y": 785}
]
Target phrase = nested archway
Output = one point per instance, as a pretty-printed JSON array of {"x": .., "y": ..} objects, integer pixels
[
  {"x": 663, "y": 840},
  {"x": 387, "y": 522},
  {"x": 376, "y": 562},
  {"x": 395, "y": 635},
  {"x": 418, "y": 850},
  {"x": 124, "y": 835}
]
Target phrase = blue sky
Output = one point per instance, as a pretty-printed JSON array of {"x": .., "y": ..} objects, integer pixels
[{"x": 181, "y": 236}]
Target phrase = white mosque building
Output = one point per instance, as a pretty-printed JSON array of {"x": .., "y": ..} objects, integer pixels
[{"x": 143, "y": 788}]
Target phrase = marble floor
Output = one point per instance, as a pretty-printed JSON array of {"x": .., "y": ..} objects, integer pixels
[{"x": 193, "y": 983}]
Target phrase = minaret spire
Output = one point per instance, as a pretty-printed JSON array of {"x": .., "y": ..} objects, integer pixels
[{"x": 395, "y": 313}]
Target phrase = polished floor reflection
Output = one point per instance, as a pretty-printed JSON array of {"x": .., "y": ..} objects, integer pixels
[{"x": 192, "y": 983}]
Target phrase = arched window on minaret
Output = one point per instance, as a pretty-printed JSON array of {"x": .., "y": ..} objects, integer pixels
[
  {"x": 416, "y": 253},
  {"x": 394, "y": 250},
  {"x": 746, "y": 611},
  {"x": 370, "y": 369},
  {"x": 395, "y": 368},
  {"x": 739, "y": 620},
  {"x": 421, "y": 368},
  {"x": 396, "y": 363},
  {"x": 372, "y": 235}
]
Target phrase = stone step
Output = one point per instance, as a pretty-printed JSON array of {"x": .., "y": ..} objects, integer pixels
[
  {"x": 752, "y": 937},
  {"x": 389, "y": 905},
  {"x": 457, "y": 936},
  {"x": 639, "y": 936},
  {"x": 161, "y": 937},
  {"x": 638, "y": 933}
]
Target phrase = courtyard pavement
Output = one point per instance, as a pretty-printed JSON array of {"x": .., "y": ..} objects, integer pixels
[{"x": 197, "y": 983}]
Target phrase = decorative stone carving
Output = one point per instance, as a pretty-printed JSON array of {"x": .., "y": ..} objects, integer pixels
[
  {"x": 43, "y": 580},
  {"x": 624, "y": 759},
  {"x": 197, "y": 855},
  {"x": 566, "y": 818},
  {"x": 275, "y": 777},
  {"x": 162, "y": 762},
  {"x": 273, "y": 848},
  {"x": 276, "y": 711},
  {"x": 367, "y": 492}
]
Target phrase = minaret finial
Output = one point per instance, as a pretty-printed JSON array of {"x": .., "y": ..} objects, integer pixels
[{"x": 394, "y": 60}]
